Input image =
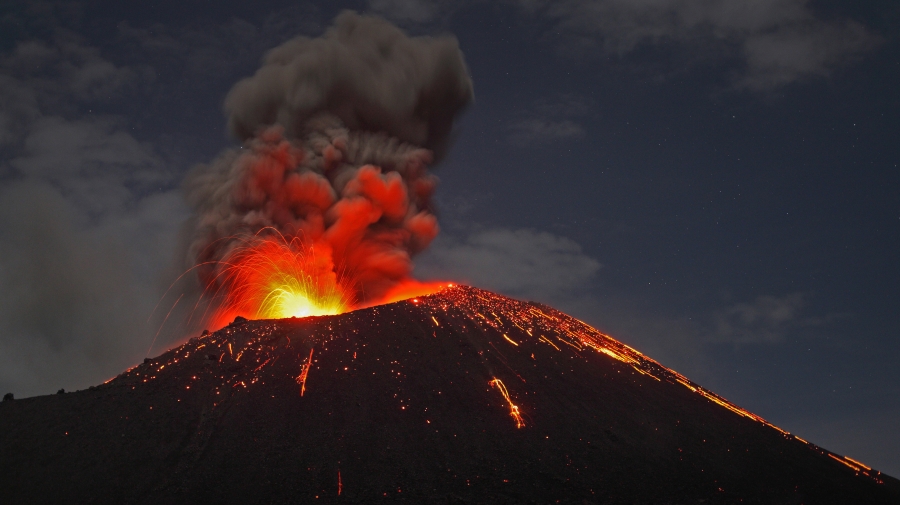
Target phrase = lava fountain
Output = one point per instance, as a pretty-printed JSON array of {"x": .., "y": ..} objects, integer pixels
[{"x": 276, "y": 277}]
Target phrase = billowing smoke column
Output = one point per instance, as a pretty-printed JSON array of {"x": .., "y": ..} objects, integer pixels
[{"x": 338, "y": 132}]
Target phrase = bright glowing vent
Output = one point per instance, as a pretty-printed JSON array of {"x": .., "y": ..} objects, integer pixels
[{"x": 272, "y": 278}]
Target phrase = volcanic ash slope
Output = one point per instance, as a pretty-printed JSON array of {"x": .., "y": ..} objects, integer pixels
[{"x": 459, "y": 397}]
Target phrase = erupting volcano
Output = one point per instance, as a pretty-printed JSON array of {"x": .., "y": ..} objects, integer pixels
[
  {"x": 463, "y": 396},
  {"x": 327, "y": 388}
]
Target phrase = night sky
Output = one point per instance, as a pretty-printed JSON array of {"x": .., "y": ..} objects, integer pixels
[{"x": 714, "y": 183}]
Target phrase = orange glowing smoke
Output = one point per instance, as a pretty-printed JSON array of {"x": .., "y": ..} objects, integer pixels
[
  {"x": 273, "y": 278},
  {"x": 333, "y": 235},
  {"x": 326, "y": 160}
]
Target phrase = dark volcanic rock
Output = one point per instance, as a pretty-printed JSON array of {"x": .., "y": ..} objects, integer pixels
[{"x": 402, "y": 403}]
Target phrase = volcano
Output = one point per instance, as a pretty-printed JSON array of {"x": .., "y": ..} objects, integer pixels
[{"x": 463, "y": 396}]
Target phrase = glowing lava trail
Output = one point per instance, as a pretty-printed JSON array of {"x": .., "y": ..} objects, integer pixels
[
  {"x": 301, "y": 379},
  {"x": 450, "y": 308},
  {"x": 513, "y": 409}
]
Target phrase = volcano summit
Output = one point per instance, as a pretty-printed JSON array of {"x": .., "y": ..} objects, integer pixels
[{"x": 463, "y": 396}]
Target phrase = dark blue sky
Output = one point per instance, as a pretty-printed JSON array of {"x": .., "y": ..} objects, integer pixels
[{"x": 714, "y": 183}]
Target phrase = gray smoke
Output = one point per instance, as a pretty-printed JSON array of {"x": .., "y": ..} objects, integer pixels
[
  {"x": 338, "y": 133},
  {"x": 365, "y": 71}
]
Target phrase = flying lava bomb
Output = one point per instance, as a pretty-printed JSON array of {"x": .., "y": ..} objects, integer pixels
[{"x": 332, "y": 376}]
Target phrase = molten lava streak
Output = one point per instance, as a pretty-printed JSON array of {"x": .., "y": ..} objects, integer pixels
[{"x": 513, "y": 408}]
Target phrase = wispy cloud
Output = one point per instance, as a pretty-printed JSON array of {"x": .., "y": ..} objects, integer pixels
[
  {"x": 765, "y": 320},
  {"x": 531, "y": 131},
  {"x": 523, "y": 263},
  {"x": 410, "y": 11},
  {"x": 777, "y": 41},
  {"x": 772, "y": 42},
  {"x": 212, "y": 52},
  {"x": 549, "y": 120},
  {"x": 88, "y": 217}
]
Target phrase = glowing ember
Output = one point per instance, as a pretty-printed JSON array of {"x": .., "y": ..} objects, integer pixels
[
  {"x": 304, "y": 372},
  {"x": 273, "y": 278}
]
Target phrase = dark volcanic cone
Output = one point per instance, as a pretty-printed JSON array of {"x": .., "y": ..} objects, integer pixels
[{"x": 415, "y": 402}]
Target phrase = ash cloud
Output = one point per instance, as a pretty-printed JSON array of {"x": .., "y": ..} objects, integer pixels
[
  {"x": 366, "y": 72},
  {"x": 86, "y": 216},
  {"x": 774, "y": 42},
  {"x": 522, "y": 263},
  {"x": 338, "y": 133}
]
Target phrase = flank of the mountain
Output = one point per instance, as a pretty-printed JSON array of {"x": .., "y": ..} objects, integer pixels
[{"x": 463, "y": 396}]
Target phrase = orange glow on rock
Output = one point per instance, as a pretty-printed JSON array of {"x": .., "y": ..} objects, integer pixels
[{"x": 410, "y": 288}]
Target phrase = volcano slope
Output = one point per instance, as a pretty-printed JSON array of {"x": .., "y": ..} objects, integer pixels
[{"x": 459, "y": 397}]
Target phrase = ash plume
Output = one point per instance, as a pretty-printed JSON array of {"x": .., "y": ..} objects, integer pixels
[{"x": 338, "y": 132}]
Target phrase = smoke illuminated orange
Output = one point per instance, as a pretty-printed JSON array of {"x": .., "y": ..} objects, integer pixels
[{"x": 272, "y": 277}]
